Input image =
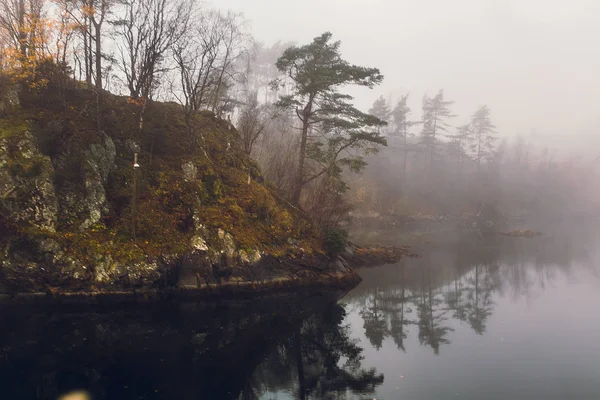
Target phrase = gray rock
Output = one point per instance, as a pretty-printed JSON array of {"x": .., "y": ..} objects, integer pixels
[
  {"x": 9, "y": 99},
  {"x": 293, "y": 242},
  {"x": 39, "y": 263},
  {"x": 103, "y": 269},
  {"x": 99, "y": 163},
  {"x": 229, "y": 246},
  {"x": 142, "y": 273},
  {"x": 255, "y": 256},
  {"x": 27, "y": 194},
  {"x": 198, "y": 243},
  {"x": 244, "y": 256},
  {"x": 190, "y": 171}
]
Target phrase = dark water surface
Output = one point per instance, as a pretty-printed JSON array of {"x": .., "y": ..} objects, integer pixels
[{"x": 474, "y": 318}]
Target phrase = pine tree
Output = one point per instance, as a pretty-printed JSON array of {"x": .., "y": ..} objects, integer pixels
[
  {"x": 381, "y": 110},
  {"x": 400, "y": 117},
  {"x": 436, "y": 112},
  {"x": 317, "y": 72},
  {"x": 461, "y": 142},
  {"x": 483, "y": 143}
]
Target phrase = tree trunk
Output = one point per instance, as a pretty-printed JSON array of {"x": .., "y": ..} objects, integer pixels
[
  {"x": 478, "y": 153},
  {"x": 301, "y": 161},
  {"x": 405, "y": 157},
  {"x": 22, "y": 31},
  {"x": 90, "y": 55},
  {"x": 302, "y": 156},
  {"x": 86, "y": 54},
  {"x": 98, "y": 39}
]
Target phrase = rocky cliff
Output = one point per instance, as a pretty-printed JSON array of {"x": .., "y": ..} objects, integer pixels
[{"x": 201, "y": 217}]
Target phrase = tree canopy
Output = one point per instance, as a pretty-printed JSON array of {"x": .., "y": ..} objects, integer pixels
[{"x": 334, "y": 133}]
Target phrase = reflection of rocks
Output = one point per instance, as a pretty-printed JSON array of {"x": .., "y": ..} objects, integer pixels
[{"x": 182, "y": 350}]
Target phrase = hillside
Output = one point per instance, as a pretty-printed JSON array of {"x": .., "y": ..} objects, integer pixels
[{"x": 204, "y": 217}]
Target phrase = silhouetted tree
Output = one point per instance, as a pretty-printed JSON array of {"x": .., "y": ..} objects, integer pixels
[
  {"x": 401, "y": 118},
  {"x": 483, "y": 140},
  {"x": 436, "y": 112},
  {"x": 381, "y": 110}
]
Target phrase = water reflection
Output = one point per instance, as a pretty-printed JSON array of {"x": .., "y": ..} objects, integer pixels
[
  {"x": 456, "y": 282},
  {"x": 421, "y": 318},
  {"x": 319, "y": 358},
  {"x": 219, "y": 351}
]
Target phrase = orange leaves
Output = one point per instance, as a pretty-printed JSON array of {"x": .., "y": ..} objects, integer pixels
[
  {"x": 88, "y": 10},
  {"x": 136, "y": 101}
]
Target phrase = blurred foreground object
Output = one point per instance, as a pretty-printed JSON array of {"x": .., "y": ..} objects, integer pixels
[{"x": 76, "y": 395}]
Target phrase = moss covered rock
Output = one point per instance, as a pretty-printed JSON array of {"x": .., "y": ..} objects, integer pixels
[{"x": 72, "y": 222}]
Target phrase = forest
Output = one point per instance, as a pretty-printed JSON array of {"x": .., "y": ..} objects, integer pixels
[
  {"x": 410, "y": 156},
  {"x": 192, "y": 208}
]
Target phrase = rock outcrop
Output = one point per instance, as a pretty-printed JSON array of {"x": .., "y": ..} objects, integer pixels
[
  {"x": 71, "y": 223},
  {"x": 27, "y": 191}
]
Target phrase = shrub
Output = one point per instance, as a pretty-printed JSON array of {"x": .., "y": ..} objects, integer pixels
[{"x": 334, "y": 241}]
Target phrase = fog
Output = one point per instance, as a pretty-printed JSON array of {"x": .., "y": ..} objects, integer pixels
[{"x": 533, "y": 62}]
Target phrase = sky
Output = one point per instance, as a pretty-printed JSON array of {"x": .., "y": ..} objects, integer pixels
[{"x": 535, "y": 63}]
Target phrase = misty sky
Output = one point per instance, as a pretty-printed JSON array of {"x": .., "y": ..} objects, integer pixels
[{"x": 535, "y": 63}]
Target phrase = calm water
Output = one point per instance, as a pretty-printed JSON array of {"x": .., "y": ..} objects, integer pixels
[{"x": 472, "y": 319}]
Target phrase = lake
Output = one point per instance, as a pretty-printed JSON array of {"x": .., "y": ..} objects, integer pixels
[{"x": 472, "y": 318}]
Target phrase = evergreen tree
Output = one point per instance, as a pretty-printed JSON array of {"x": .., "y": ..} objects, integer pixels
[
  {"x": 483, "y": 143},
  {"x": 461, "y": 141},
  {"x": 317, "y": 72},
  {"x": 400, "y": 117},
  {"x": 436, "y": 112},
  {"x": 381, "y": 110}
]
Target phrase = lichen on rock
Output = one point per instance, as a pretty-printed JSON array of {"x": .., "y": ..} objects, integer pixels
[
  {"x": 27, "y": 194},
  {"x": 198, "y": 243},
  {"x": 190, "y": 171},
  {"x": 99, "y": 163},
  {"x": 66, "y": 195}
]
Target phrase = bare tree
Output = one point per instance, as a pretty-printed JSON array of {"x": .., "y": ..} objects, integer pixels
[
  {"x": 253, "y": 120},
  {"x": 235, "y": 44},
  {"x": 96, "y": 12},
  {"x": 147, "y": 31},
  {"x": 196, "y": 57},
  {"x": 277, "y": 153},
  {"x": 88, "y": 17}
]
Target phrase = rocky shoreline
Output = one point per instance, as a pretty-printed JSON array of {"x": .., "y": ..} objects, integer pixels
[{"x": 269, "y": 275}]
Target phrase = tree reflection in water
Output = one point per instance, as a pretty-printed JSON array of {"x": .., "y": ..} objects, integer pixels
[
  {"x": 456, "y": 283},
  {"x": 320, "y": 357},
  {"x": 213, "y": 351}
]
